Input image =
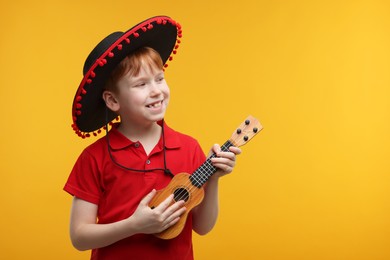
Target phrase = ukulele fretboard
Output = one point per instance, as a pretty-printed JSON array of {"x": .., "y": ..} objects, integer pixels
[{"x": 206, "y": 170}]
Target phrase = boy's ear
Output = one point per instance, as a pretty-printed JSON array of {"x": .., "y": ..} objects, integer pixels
[{"x": 110, "y": 100}]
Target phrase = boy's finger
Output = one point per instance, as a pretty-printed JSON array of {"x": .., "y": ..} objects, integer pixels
[
  {"x": 235, "y": 150},
  {"x": 148, "y": 197},
  {"x": 165, "y": 203},
  {"x": 174, "y": 211}
]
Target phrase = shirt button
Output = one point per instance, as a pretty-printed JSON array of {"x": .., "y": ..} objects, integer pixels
[
  {"x": 148, "y": 162},
  {"x": 136, "y": 145}
]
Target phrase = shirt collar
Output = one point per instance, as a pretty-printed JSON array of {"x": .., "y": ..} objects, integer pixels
[{"x": 118, "y": 141}]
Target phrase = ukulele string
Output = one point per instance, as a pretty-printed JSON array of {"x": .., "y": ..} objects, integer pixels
[
  {"x": 201, "y": 175},
  {"x": 207, "y": 169},
  {"x": 199, "y": 180},
  {"x": 196, "y": 180}
]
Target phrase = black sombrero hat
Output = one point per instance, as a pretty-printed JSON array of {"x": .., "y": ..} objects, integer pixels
[{"x": 89, "y": 110}]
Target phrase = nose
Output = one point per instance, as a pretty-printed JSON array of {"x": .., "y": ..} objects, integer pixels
[{"x": 155, "y": 89}]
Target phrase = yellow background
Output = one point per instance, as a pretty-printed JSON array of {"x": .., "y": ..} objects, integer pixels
[{"x": 314, "y": 184}]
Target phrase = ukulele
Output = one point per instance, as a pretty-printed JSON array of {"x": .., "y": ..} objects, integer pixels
[{"x": 189, "y": 188}]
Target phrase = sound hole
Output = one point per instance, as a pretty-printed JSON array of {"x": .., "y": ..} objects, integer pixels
[{"x": 181, "y": 194}]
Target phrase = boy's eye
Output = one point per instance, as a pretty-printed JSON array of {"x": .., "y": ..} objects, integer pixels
[{"x": 140, "y": 84}]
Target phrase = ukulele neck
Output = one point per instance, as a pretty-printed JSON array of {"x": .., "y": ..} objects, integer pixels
[{"x": 206, "y": 170}]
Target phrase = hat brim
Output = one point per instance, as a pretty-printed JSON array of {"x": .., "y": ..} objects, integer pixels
[{"x": 89, "y": 110}]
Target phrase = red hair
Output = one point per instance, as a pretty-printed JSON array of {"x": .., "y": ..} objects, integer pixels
[{"x": 132, "y": 64}]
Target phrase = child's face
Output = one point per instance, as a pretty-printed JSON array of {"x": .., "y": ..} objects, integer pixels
[{"x": 143, "y": 98}]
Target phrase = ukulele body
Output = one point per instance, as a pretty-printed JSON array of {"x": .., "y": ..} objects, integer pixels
[
  {"x": 190, "y": 187},
  {"x": 182, "y": 189}
]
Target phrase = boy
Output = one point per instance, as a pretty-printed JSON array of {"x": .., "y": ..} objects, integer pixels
[{"x": 114, "y": 179}]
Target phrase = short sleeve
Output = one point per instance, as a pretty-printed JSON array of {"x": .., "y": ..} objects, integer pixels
[{"x": 84, "y": 179}]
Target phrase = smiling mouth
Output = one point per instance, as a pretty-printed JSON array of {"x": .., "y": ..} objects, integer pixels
[{"x": 155, "y": 105}]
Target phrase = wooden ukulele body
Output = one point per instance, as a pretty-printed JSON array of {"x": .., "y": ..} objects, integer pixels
[
  {"x": 190, "y": 187},
  {"x": 182, "y": 189}
]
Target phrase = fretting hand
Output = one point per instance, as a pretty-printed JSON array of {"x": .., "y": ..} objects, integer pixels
[{"x": 224, "y": 161}]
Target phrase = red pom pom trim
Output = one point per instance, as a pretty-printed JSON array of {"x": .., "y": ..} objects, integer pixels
[{"x": 102, "y": 61}]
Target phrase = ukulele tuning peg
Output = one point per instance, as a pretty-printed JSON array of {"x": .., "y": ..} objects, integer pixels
[
  {"x": 255, "y": 130},
  {"x": 247, "y": 122},
  {"x": 246, "y": 138},
  {"x": 238, "y": 131}
]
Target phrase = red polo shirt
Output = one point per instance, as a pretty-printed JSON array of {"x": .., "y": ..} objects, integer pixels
[{"x": 117, "y": 192}]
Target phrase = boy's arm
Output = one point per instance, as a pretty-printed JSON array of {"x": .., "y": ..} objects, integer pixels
[
  {"x": 86, "y": 234},
  {"x": 205, "y": 215}
]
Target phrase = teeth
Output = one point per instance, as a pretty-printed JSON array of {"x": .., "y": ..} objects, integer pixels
[{"x": 154, "y": 105}]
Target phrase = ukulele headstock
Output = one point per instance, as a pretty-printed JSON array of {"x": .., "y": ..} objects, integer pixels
[{"x": 246, "y": 131}]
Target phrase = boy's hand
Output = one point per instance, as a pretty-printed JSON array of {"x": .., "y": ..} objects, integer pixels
[
  {"x": 224, "y": 161},
  {"x": 150, "y": 221}
]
